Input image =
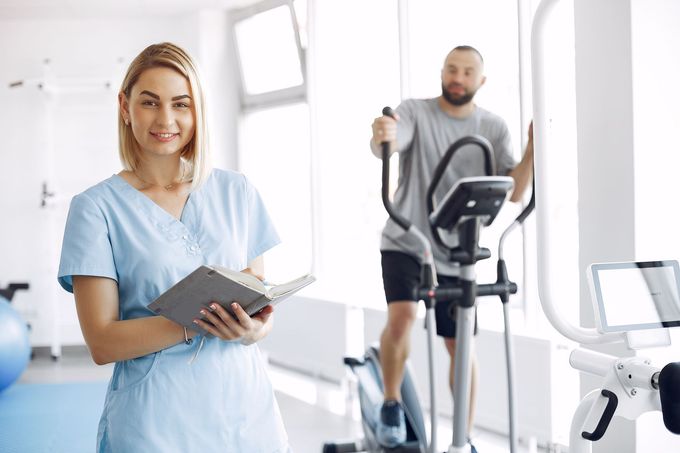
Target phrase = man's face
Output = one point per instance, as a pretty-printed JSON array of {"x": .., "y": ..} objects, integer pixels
[{"x": 461, "y": 77}]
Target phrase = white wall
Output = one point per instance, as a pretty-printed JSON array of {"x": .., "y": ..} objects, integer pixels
[{"x": 606, "y": 212}]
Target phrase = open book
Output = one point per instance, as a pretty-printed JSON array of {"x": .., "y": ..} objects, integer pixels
[{"x": 182, "y": 303}]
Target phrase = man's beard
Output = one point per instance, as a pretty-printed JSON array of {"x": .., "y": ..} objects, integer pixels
[{"x": 457, "y": 100}]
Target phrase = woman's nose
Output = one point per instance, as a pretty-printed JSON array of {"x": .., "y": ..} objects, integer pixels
[{"x": 165, "y": 117}]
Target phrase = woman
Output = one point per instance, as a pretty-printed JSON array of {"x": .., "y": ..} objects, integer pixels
[{"x": 131, "y": 237}]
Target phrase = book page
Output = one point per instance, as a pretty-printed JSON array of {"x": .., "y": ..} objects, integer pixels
[
  {"x": 245, "y": 279},
  {"x": 293, "y": 285}
]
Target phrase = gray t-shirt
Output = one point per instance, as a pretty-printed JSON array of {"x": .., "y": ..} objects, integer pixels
[{"x": 424, "y": 133}]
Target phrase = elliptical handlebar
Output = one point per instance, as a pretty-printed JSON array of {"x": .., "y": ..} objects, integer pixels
[
  {"x": 429, "y": 275},
  {"x": 489, "y": 163},
  {"x": 389, "y": 207},
  {"x": 489, "y": 168},
  {"x": 543, "y": 229},
  {"x": 528, "y": 209}
]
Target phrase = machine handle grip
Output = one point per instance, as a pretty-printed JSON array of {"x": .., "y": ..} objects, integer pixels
[
  {"x": 8, "y": 293},
  {"x": 16, "y": 286},
  {"x": 607, "y": 415},
  {"x": 669, "y": 394},
  {"x": 389, "y": 207},
  {"x": 388, "y": 111}
]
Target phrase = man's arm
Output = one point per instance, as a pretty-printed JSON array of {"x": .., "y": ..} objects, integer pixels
[{"x": 523, "y": 172}]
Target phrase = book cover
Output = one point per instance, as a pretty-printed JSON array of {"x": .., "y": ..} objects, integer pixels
[{"x": 183, "y": 301}]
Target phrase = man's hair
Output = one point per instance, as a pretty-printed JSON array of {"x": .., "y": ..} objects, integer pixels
[
  {"x": 195, "y": 154},
  {"x": 467, "y": 49}
]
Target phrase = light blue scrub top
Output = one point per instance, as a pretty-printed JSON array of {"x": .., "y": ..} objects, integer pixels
[{"x": 223, "y": 401}]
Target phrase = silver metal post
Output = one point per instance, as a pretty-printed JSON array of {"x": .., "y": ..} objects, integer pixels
[
  {"x": 430, "y": 324},
  {"x": 461, "y": 396},
  {"x": 510, "y": 366}
]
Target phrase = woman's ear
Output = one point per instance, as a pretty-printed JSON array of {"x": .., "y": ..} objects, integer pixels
[{"x": 124, "y": 107}]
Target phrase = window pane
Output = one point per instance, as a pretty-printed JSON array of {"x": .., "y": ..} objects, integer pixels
[
  {"x": 274, "y": 155},
  {"x": 353, "y": 81},
  {"x": 435, "y": 27},
  {"x": 268, "y": 51}
]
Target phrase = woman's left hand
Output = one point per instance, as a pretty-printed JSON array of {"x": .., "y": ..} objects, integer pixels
[{"x": 247, "y": 329}]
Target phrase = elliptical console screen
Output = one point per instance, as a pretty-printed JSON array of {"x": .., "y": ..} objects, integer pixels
[{"x": 636, "y": 295}]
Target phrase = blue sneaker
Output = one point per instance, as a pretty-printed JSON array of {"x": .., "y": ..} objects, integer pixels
[
  {"x": 472, "y": 447},
  {"x": 391, "y": 429}
]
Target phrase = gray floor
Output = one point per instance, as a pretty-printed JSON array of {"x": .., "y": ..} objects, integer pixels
[{"x": 308, "y": 425}]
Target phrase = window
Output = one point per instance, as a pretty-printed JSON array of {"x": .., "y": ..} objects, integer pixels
[
  {"x": 270, "y": 53},
  {"x": 274, "y": 134},
  {"x": 355, "y": 73},
  {"x": 274, "y": 154}
]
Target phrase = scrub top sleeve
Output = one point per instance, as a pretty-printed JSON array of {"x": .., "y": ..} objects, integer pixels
[
  {"x": 261, "y": 232},
  {"x": 86, "y": 249}
]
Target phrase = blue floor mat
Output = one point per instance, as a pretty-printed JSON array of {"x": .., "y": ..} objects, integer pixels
[{"x": 51, "y": 418}]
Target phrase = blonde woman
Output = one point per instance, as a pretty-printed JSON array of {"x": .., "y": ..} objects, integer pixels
[{"x": 131, "y": 237}]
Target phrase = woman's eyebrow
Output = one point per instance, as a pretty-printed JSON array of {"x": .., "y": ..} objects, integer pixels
[
  {"x": 149, "y": 93},
  {"x": 157, "y": 97}
]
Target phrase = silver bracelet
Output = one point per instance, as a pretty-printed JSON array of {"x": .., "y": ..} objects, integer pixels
[{"x": 187, "y": 340}]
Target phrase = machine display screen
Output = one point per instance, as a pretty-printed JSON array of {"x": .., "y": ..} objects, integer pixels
[{"x": 636, "y": 295}]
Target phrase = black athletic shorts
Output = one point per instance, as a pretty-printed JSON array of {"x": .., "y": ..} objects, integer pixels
[{"x": 401, "y": 275}]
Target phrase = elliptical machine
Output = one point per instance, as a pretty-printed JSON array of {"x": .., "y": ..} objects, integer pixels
[{"x": 470, "y": 204}]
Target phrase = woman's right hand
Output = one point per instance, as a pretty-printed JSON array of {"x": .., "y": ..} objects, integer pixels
[{"x": 248, "y": 329}]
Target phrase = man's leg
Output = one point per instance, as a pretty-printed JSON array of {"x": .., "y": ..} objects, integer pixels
[
  {"x": 451, "y": 348},
  {"x": 395, "y": 345},
  {"x": 401, "y": 275}
]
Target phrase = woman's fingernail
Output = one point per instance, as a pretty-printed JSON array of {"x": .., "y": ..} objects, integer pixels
[
  {"x": 234, "y": 305},
  {"x": 203, "y": 312},
  {"x": 214, "y": 306},
  {"x": 195, "y": 321}
]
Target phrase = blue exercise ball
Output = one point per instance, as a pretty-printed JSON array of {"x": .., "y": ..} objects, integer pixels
[{"x": 15, "y": 349}]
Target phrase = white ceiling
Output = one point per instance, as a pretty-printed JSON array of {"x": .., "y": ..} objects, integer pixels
[{"x": 79, "y": 9}]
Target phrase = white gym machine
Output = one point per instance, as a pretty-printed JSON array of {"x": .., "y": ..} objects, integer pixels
[{"x": 634, "y": 302}]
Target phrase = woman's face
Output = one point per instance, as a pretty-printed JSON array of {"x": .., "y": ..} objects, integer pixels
[{"x": 161, "y": 112}]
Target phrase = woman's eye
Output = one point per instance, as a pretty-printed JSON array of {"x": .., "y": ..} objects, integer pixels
[
  {"x": 149, "y": 103},
  {"x": 182, "y": 105}
]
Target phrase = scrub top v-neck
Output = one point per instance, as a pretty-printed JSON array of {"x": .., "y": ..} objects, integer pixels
[{"x": 223, "y": 401}]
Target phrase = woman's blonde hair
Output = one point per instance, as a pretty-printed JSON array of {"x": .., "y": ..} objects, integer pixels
[{"x": 195, "y": 156}]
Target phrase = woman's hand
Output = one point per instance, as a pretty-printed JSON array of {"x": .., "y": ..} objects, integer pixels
[{"x": 248, "y": 329}]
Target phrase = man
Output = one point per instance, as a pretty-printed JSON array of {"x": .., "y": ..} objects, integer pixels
[{"x": 422, "y": 131}]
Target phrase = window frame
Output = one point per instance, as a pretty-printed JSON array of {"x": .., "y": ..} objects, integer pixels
[{"x": 273, "y": 98}]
